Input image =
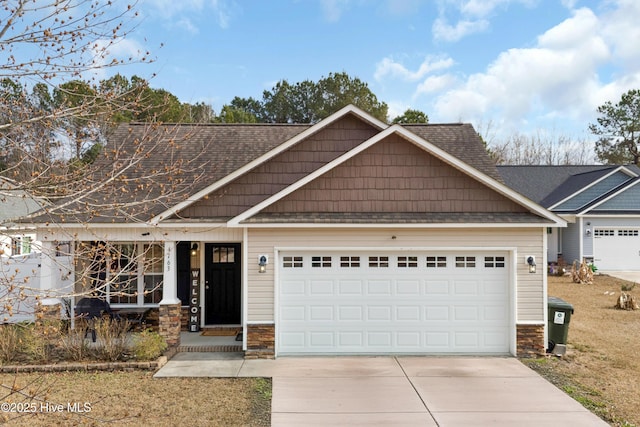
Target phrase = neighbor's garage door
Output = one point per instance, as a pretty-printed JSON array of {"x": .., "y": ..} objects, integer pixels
[
  {"x": 380, "y": 303},
  {"x": 616, "y": 248}
]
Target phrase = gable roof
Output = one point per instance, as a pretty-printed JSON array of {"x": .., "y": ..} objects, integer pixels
[
  {"x": 555, "y": 186},
  {"x": 539, "y": 214},
  {"x": 213, "y": 157}
]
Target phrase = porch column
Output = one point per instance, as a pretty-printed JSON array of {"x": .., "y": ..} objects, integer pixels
[
  {"x": 170, "y": 306},
  {"x": 48, "y": 307}
]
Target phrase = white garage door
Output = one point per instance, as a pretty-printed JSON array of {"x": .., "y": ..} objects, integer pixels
[
  {"x": 377, "y": 303},
  {"x": 616, "y": 248}
]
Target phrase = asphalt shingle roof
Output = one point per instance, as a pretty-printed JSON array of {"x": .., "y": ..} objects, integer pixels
[{"x": 177, "y": 161}]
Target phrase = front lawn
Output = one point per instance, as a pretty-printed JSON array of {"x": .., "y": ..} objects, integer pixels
[
  {"x": 602, "y": 367},
  {"x": 132, "y": 398}
]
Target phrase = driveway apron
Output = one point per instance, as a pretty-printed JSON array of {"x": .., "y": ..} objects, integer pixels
[{"x": 403, "y": 391}]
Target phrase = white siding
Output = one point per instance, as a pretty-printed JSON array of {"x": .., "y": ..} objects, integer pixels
[{"x": 529, "y": 288}]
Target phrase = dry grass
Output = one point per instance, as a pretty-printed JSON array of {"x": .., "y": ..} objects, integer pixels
[
  {"x": 602, "y": 366},
  {"x": 135, "y": 398}
]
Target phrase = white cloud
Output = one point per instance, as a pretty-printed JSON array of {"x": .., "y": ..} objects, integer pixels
[
  {"x": 559, "y": 78},
  {"x": 435, "y": 84},
  {"x": 451, "y": 33},
  {"x": 106, "y": 52},
  {"x": 174, "y": 12},
  {"x": 472, "y": 17},
  {"x": 187, "y": 25},
  {"x": 389, "y": 67}
]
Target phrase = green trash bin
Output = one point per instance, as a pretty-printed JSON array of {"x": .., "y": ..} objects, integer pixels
[{"x": 559, "y": 317}]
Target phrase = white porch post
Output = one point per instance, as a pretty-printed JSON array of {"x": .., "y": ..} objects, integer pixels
[
  {"x": 48, "y": 282},
  {"x": 169, "y": 312},
  {"x": 50, "y": 305},
  {"x": 170, "y": 283}
]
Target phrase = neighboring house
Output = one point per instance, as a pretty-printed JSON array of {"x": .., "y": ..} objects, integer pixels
[
  {"x": 21, "y": 257},
  {"x": 16, "y": 239},
  {"x": 601, "y": 205},
  {"x": 348, "y": 236}
]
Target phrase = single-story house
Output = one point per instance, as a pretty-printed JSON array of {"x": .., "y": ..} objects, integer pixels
[
  {"x": 348, "y": 236},
  {"x": 601, "y": 204}
]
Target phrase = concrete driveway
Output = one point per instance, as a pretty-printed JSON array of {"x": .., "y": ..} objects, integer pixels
[
  {"x": 632, "y": 276},
  {"x": 398, "y": 391}
]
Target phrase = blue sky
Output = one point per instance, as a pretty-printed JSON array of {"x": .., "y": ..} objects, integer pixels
[{"x": 520, "y": 65}]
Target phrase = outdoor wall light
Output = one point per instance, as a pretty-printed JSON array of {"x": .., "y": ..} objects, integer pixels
[
  {"x": 587, "y": 232},
  {"x": 194, "y": 249},
  {"x": 263, "y": 260},
  {"x": 531, "y": 262}
]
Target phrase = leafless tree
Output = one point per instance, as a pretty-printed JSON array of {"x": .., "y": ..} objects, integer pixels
[
  {"x": 53, "y": 112},
  {"x": 541, "y": 148}
]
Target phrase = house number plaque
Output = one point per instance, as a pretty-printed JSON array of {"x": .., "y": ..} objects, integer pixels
[{"x": 194, "y": 301}]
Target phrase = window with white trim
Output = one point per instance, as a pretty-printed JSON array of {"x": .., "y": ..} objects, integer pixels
[
  {"x": 494, "y": 262},
  {"x": 126, "y": 273},
  {"x": 378, "y": 261},
  {"x": 436, "y": 262},
  {"x": 465, "y": 262},
  {"x": 407, "y": 261},
  {"x": 153, "y": 262},
  {"x": 321, "y": 261},
  {"x": 628, "y": 233},
  {"x": 599, "y": 232},
  {"x": 292, "y": 262},
  {"x": 349, "y": 261},
  {"x": 20, "y": 245}
]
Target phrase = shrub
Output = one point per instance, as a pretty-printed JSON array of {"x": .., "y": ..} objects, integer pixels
[
  {"x": 148, "y": 345},
  {"x": 112, "y": 338},
  {"x": 9, "y": 342},
  {"x": 627, "y": 287},
  {"x": 73, "y": 343},
  {"x": 37, "y": 340}
]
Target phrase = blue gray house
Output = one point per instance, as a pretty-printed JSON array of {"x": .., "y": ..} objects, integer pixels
[{"x": 601, "y": 205}]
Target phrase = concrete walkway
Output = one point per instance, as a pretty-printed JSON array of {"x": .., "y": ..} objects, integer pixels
[{"x": 396, "y": 391}]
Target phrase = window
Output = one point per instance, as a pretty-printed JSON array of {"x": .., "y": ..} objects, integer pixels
[
  {"x": 224, "y": 254},
  {"x": 63, "y": 249},
  {"x": 153, "y": 265},
  {"x": 133, "y": 272},
  {"x": 601, "y": 233},
  {"x": 378, "y": 261},
  {"x": 465, "y": 262},
  {"x": 494, "y": 262},
  {"x": 321, "y": 261},
  {"x": 123, "y": 274},
  {"x": 628, "y": 233},
  {"x": 349, "y": 261},
  {"x": 436, "y": 261},
  {"x": 292, "y": 262},
  {"x": 407, "y": 261},
  {"x": 20, "y": 245}
]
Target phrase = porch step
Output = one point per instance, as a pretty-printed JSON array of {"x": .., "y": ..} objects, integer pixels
[{"x": 209, "y": 348}]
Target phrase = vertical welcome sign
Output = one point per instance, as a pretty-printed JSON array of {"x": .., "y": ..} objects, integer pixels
[{"x": 194, "y": 301}]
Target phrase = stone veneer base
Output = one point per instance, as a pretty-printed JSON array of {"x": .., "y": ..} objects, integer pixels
[
  {"x": 530, "y": 340},
  {"x": 261, "y": 341}
]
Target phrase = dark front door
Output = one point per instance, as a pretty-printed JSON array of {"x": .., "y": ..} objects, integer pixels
[{"x": 222, "y": 283}]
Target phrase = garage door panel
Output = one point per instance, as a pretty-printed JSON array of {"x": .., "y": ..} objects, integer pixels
[
  {"x": 616, "y": 249},
  {"x": 389, "y": 308}
]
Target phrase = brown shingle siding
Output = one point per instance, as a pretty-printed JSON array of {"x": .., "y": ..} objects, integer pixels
[
  {"x": 283, "y": 170},
  {"x": 416, "y": 182}
]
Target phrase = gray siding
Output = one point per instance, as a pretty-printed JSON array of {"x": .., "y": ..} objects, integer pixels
[{"x": 571, "y": 243}]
